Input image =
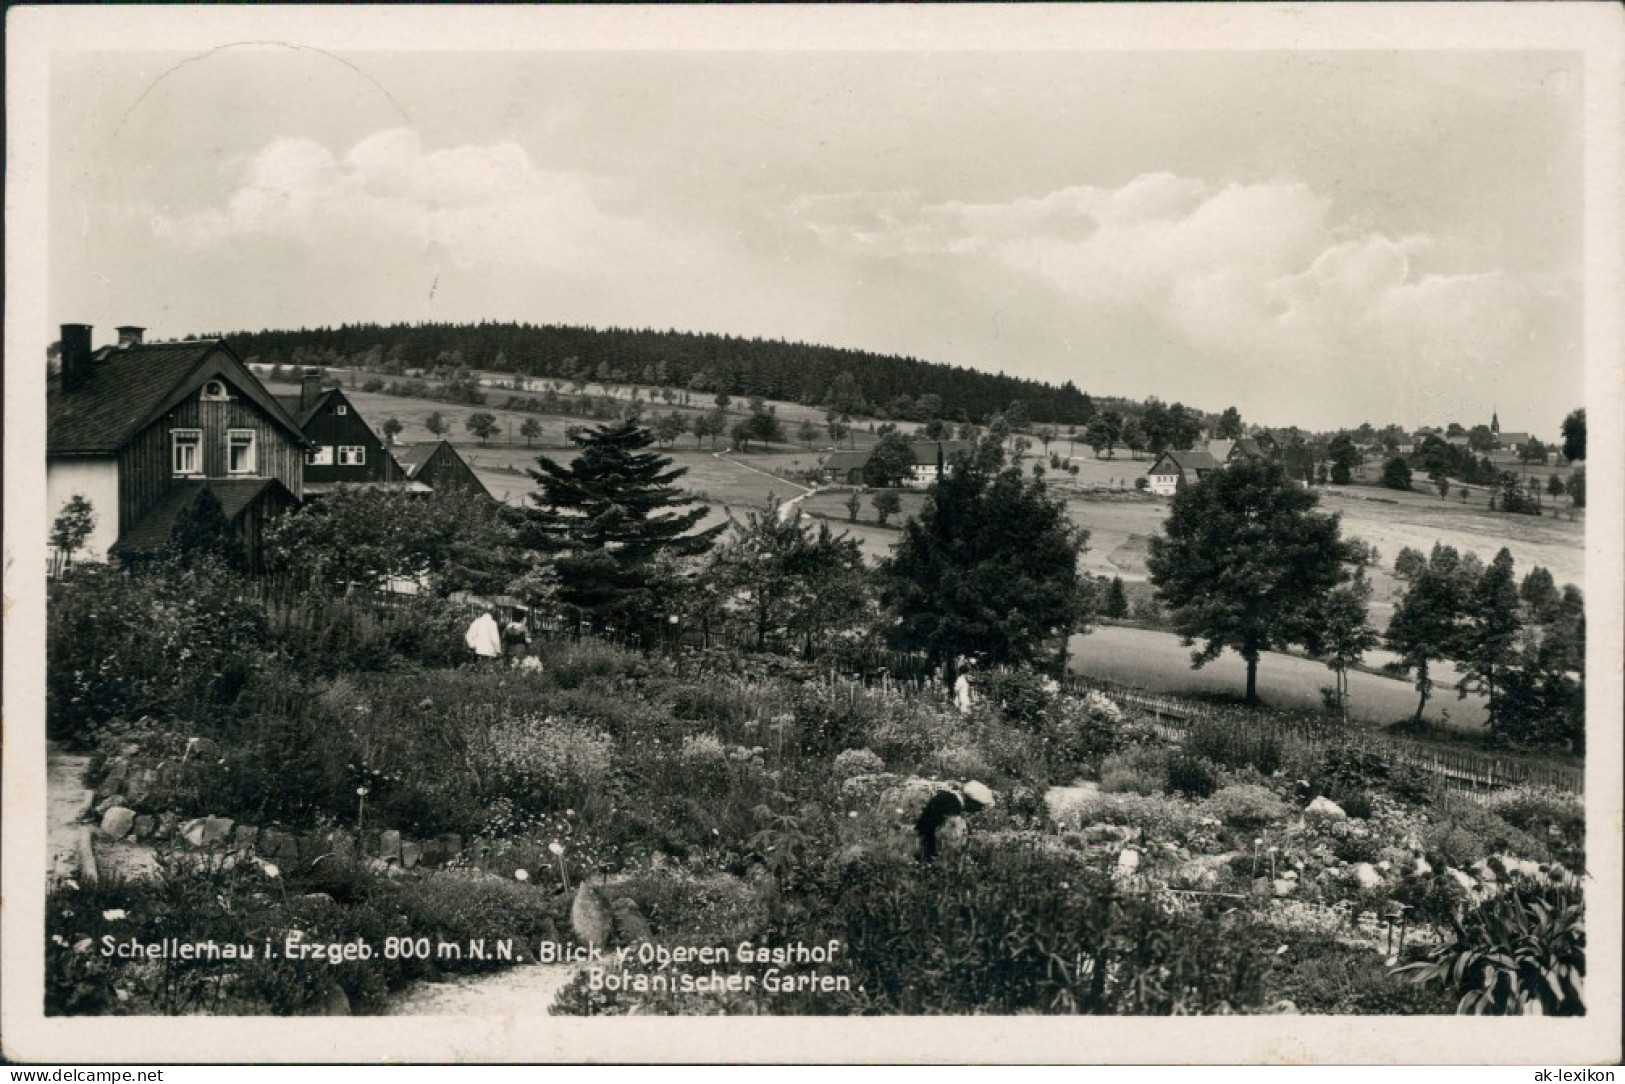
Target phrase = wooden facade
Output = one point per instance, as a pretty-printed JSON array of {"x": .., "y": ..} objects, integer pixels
[
  {"x": 334, "y": 424},
  {"x": 146, "y": 470}
]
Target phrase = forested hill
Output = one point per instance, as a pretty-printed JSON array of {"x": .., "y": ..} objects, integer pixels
[{"x": 851, "y": 381}]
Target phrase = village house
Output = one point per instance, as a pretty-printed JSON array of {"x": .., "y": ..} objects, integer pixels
[
  {"x": 845, "y": 467},
  {"x": 438, "y": 466},
  {"x": 344, "y": 449},
  {"x": 1174, "y": 469},
  {"x": 931, "y": 460},
  {"x": 142, "y": 430}
]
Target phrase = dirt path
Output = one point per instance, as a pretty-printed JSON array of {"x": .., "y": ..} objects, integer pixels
[
  {"x": 67, "y": 800},
  {"x": 525, "y": 991}
]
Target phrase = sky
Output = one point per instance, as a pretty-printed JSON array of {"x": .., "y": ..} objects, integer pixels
[{"x": 1317, "y": 238}]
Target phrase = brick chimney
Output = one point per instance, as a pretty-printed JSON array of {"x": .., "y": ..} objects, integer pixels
[
  {"x": 76, "y": 356},
  {"x": 310, "y": 387},
  {"x": 129, "y": 335}
]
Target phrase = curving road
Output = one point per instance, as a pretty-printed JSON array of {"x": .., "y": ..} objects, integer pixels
[{"x": 1158, "y": 662}]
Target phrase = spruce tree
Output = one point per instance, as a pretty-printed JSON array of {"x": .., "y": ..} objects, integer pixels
[
  {"x": 608, "y": 516},
  {"x": 1428, "y": 623},
  {"x": 1489, "y": 642}
]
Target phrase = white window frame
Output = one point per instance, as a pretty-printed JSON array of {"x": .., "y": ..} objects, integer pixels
[
  {"x": 341, "y": 409},
  {"x": 210, "y": 395},
  {"x": 190, "y": 438},
  {"x": 252, "y": 466},
  {"x": 321, "y": 457},
  {"x": 352, "y": 455}
]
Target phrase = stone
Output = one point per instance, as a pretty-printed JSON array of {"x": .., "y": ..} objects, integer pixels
[
  {"x": 1422, "y": 867},
  {"x": 378, "y": 867},
  {"x": 166, "y": 825},
  {"x": 316, "y": 898},
  {"x": 335, "y": 1002},
  {"x": 202, "y": 749},
  {"x": 117, "y": 822},
  {"x": 1284, "y": 886},
  {"x": 1466, "y": 883},
  {"x": 1128, "y": 861},
  {"x": 1323, "y": 808},
  {"x": 138, "y": 788},
  {"x": 275, "y": 843},
  {"x": 389, "y": 844},
  {"x": 590, "y": 917},
  {"x": 411, "y": 854},
  {"x": 244, "y": 837},
  {"x": 1366, "y": 876},
  {"x": 1264, "y": 887},
  {"x": 145, "y": 825},
  {"x": 630, "y": 926},
  {"x": 112, "y": 801}
]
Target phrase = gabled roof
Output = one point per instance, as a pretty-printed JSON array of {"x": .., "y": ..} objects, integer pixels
[
  {"x": 1220, "y": 449},
  {"x": 1247, "y": 446},
  {"x": 303, "y": 414},
  {"x": 1514, "y": 438},
  {"x": 413, "y": 458},
  {"x": 848, "y": 460},
  {"x": 153, "y": 531},
  {"x": 1191, "y": 461},
  {"x": 925, "y": 451},
  {"x": 128, "y": 387}
]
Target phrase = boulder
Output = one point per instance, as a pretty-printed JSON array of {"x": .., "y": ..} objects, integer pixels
[
  {"x": 206, "y": 831},
  {"x": 117, "y": 822},
  {"x": 1366, "y": 876},
  {"x": 138, "y": 788},
  {"x": 590, "y": 917},
  {"x": 1284, "y": 886},
  {"x": 244, "y": 837},
  {"x": 1324, "y": 809},
  {"x": 278, "y": 844},
  {"x": 335, "y": 1002},
  {"x": 389, "y": 844},
  {"x": 202, "y": 749},
  {"x": 630, "y": 927},
  {"x": 411, "y": 854},
  {"x": 112, "y": 801},
  {"x": 145, "y": 825},
  {"x": 1422, "y": 867}
]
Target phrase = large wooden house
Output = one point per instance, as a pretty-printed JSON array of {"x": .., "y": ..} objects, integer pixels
[
  {"x": 142, "y": 430},
  {"x": 344, "y": 449}
]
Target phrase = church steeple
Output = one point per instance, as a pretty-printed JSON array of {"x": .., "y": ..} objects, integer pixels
[{"x": 1495, "y": 422}]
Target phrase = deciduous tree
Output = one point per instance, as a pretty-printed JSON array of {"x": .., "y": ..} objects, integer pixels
[{"x": 1242, "y": 558}]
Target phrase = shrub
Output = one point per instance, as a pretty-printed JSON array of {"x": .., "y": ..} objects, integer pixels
[
  {"x": 1022, "y": 696},
  {"x": 1139, "y": 770},
  {"x": 1544, "y": 813},
  {"x": 167, "y": 639},
  {"x": 547, "y": 762},
  {"x": 851, "y": 762},
  {"x": 1192, "y": 776},
  {"x": 1085, "y": 729},
  {"x": 572, "y": 665},
  {"x": 1466, "y": 832},
  {"x": 1325, "y": 976},
  {"x": 1522, "y": 952},
  {"x": 1235, "y": 745},
  {"x": 1158, "y": 816},
  {"x": 1346, "y": 771},
  {"x": 1246, "y": 806}
]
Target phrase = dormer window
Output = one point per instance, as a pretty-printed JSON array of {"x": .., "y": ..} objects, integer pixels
[{"x": 215, "y": 391}]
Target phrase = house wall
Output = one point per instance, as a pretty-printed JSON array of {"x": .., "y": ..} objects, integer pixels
[
  {"x": 447, "y": 470},
  {"x": 96, "y": 480},
  {"x": 144, "y": 464},
  {"x": 331, "y": 429},
  {"x": 1164, "y": 485}
]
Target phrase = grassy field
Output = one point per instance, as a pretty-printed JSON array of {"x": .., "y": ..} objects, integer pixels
[{"x": 1100, "y": 497}]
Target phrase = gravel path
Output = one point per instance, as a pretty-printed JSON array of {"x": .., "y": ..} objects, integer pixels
[
  {"x": 525, "y": 991},
  {"x": 67, "y": 800}
]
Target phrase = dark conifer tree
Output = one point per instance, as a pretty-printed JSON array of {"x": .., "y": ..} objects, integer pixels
[{"x": 608, "y": 516}]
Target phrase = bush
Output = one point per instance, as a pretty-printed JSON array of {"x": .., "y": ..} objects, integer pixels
[
  {"x": 167, "y": 640},
  {"x": 1246, "y": 806},
  {"x": 1138, "y": 771},
  {"x": 1544, "y": 813},
  {"x": 1160, "y": 817},
  {"x": 1347, "y": 773},
  {"x": 1192, "y": 776},
  {"x": 1083, "y": 730},
  {"x": 1235, "y": 745},
  {"x": 1324, "y": 976},
  {"x": 1520, "y": 953},
  {"x": 851, "y": 762},
  {"x": 1467, "y": 832},
  {"x": 547, "y": 762},
  {"x": 1022, "y": 696}
]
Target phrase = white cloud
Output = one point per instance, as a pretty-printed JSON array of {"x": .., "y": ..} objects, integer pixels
[
  {"x": 1255, "y": 279},
  {"x": 481, "y": 205}
]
